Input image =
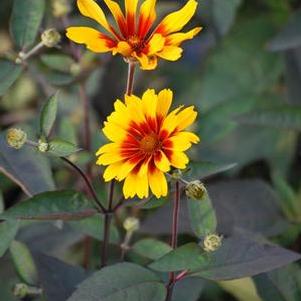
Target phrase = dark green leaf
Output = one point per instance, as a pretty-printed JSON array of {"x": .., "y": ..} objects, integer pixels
[
  {"x": 59, "y": 62},
  {"x": 188, "y": 257},
  {"x": 202, "y": 216},
  {"x": 94, "y": 227},
  {"x": 201, "y": 170},
  {"x": 9, "y": 73},
  {"x": 121, "y": 282},
  {"x": 151, "y": 248},
  {"x": 62, "y": 205},
  {"x": 188, "y": 289},
  {"x": 27, "y": 168},
  {"x": 284, "y": 117},
  {"x": 25, "y": 21},
  {"x": 61, "y": 148},
  {"x": 24, "y": 263},
  {"x": 2, "y": 205},
  {"x": 240, "y": 257},
  {"x": 58, "y": 279},
  {"x": 48, "y": 115},
  {"x": 290, "y": 36},
  {"x": 8, "y": 231},
  {"x": 280, "y": 285}
]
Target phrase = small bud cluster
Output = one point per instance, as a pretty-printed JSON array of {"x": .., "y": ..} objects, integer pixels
[
  {"x": 50, "y": 37},
  {"x": 195, "y": 190},
  {"x": 22, "y": 290},
  {"x": 131, "y": 224},
  {"x": 16, "y": 138},
  {"x": 43, "y": 146},
  {"x": 212, "y": 242}
]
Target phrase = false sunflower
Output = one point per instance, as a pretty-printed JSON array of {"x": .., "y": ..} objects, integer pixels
[
  {"x": 146, "y": 141},
  {"x": 137, "y": 38}
]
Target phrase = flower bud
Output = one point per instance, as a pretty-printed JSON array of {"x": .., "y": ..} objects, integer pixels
[
  {"x": 176, "y": 174},
  {"x": 22, "y": 290},
  {"x": 212, "y": 242},
  {"x": 50, "y": 37},
  {"x": 61, "y": 8},
  {"x": 195, "y": 190},
  {"x": 16, "y": 138},
  {"x": 43, "y": 146},
  {"x": 131, "y": 224}
]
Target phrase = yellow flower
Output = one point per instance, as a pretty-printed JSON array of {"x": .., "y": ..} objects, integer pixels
[
  {"x": 136, "y": 38},
  {"x": 146, "y": 142}
]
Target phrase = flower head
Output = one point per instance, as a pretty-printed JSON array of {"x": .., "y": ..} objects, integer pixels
[
  {"x": 136, "y": 38},
  {"x": 16, "y": 138},
  {"x": 146, "y": 142},
  {"x": 212, "y": 242}
]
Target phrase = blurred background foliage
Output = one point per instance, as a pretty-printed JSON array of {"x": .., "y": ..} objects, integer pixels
[{"x": 243, "y": 73}]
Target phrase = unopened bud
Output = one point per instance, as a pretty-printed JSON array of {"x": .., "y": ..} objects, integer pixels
[
  {"x": 16, "y": 138},
  {"x": 212, "y": 242},
  {"x": 22, "y": 290},
  {"x": 131, "y": 224},
  {"x": 43, "y": 146},
  {"x": 195, "y": 190},
  {"x": 61, "y": 8},
  {"x": 176, "y": 174},
  {"x": 75, "y": 69},
  {"x": 50, "y": 37}
]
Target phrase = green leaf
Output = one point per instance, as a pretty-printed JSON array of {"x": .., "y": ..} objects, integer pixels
[
  {"x": 8, "y": 231},
  {"x": 94, "y": 227},
  {"x": 188, "y": 289},
  {"x": 151, "y": 248},
  {"x": 242, "y": 256},
  {"x": 187, "y": 257},
  {"x": 202, "y": 216},
  {"x": 121, "y": 282},
  {"x": 48, "y": 115},
  {"x": 62, "y": 205},
  {"x": 9, "y": 73},
  {"x": 25, "y": 21},
  {"x": 280, "y": 285},
  {"x": 290, "y": 36},
  {"x": 24, "y": 262},
  {"x": 201, "y": 170},
  {"x": 58, "y": 62},
  {"x": 61, "y": 148},
  {"x": 27, "y": 168},
  {"x": 2, "y": 205},
  {"x": 283, "y": 117}
]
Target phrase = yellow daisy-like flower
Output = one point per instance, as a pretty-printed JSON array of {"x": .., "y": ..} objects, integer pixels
[
  {"x": 136, "y": 38},
  {"x": 146, "y": 142}
]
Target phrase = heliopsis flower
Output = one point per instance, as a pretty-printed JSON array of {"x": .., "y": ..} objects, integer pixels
[
  {"x": 137, "y": 37},
  {"x": 146, "y": 142}
]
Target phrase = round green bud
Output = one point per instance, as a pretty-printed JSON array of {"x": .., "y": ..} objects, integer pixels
[
  {"x": 212, "y": 242},
  {"x": 50, "y": 37},
  {"x": 43, "y": 146},
  {"x": 195, "y": 190},
  {"x": 16, "y": 138},
  {"x": 131, "y": 224},
  {"x": 20, "y": 290}
]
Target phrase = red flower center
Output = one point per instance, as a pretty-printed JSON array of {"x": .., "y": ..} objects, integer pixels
[
  {"x": 136, "y": 43},
  {"x": 150, "y": 143}
]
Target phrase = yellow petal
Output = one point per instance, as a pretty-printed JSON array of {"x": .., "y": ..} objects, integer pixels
[
  {"x": 124, "y": 170},
  {"x": 176, "y": 39},
  {"x": 114, "y": 132},
  {"x": 177, "y": 20},
  {"x": 170, "y": 53},
  {"x": 157, "y": 183},
  {"x": 186, "y": 117},
  {"x": 109, "y": 147},
  {"x": 179, "y": 160},
  {"x": 149, "y": 103},
  {"x": 135, "y": 185},
  {"x": 89, "y": 8},
  {"x": 130, "y": 8},
  {"x": 164, "y": 102},
  {"x": 146, "y": 63},
  {"x": 93, "y": 39},
  {"x": 171, "y": 121},
  {"x": 117, "y": 14},
  {"x": 147, "y": 17},
  {"x": 183, "y": 140},
  {"x": 162, "y": 162},
  {"x": 123, "y": 48},
  {"x": 111, "y": 171},
  {"x": 109, "y": 158},
  {"x": 155, "y": 44}
]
